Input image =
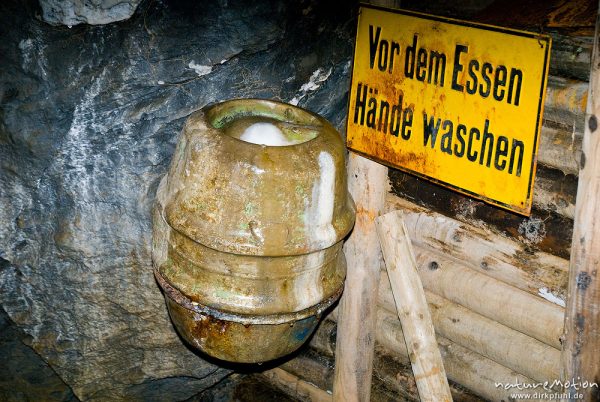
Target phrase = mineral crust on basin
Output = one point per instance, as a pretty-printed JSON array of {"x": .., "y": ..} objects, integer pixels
[{"x": 248, "y": 228}]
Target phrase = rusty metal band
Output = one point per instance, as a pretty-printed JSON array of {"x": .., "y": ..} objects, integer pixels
[{"x": 273, "y": 319}]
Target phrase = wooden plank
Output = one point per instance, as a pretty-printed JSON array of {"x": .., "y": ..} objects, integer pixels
[
  {"x": 357, "y": 309},
  {"x": 463, "y": 362},
  {"x": 463, "y": 366},
  {"x": 394, "y": 372},
  {"x": 581, "y": 354},
  {"x": 505, "y": 346},
  {"x": 412, "y": 308},
  {"x": 571, "y": 56},
  {"x": 573, "y": 15},
  {"x": 555, "y": 191},
  {"x": 560, "y": 147},
  {"x": 491, "y": 298},
  {"x": 367, "y": 183},
  {"x": 497, "y": 256},
  {"x": 544, "y": 231},
  {"x": 296, "y": 387},
  {"x": 324, "y": 338},
  {"x": 562, "y": 124},
  {"x": 565, "y": 103},
  {"x": 571, "y": 47},
  {"x": 392, "y": 375},
  {"x": 310, "y": 366}
]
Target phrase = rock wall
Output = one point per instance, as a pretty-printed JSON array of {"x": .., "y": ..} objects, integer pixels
[
  {"x": 89, "y": 117},
  {"x": 94, "y": 12}
]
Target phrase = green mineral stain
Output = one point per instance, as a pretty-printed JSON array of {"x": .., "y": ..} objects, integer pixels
[
  {"x": 299, "y": 134},
  {"x": 294, "y": 135},
  {"x": 302, "y": 216},
  {"x": 244, "y": 226},
  {"x": 299, "y": 190},
  {"x": 223, "y": 294},
  {"x": 250, "y": 209}
]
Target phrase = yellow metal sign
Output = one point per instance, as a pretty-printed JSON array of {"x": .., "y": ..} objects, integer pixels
[{"x": 456, "y": 102}]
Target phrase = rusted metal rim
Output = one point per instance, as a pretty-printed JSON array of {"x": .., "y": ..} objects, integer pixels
[{"x": 244, "y": 319}]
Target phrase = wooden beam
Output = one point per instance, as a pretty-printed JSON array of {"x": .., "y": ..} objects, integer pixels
[
  {"x": 559, "y": 149},
  {"x": 581, "y": 353},
  {"x": 367, "y": 182},
  {"x": 491, "y": 298},
  {"x": 488, "y": 253},
  {"x": 505, "y": 346},
  {"x": 324, "y": 337},
  {"x": 472, "y": 370},
  {"x": 566, "y": 101},
  {"x": 555, "y": 191},
  {"x": 392, "y": 374},
  {"x": 463, "y": 366},
  {"x": 571, "y": 55},
  {"x": 544, "y": 231},
  {"x": 412, "y": 308},
  {"x": 296, "y": 387}
]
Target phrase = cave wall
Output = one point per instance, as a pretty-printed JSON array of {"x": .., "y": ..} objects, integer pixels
[{"x": 89, "y": 116}]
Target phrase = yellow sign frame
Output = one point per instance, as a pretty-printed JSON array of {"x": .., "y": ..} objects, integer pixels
[{"x": 479, "y": 88}]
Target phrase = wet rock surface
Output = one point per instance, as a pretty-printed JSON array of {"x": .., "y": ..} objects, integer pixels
[{"x": 89, "y": 117}]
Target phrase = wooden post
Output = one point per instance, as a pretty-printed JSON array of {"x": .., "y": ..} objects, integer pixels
[
  {"x": 412, "y": 309},
  {"x": 358, "y": 307},
  {"x": 581, "y": 351},
  {"x": 368, "y": 184}
]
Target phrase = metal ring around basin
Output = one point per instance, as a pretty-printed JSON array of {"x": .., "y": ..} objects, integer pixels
[{"x": 244, "y": 319}]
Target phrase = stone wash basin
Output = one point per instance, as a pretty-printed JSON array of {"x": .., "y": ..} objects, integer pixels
[{"x": 248, "y": 228}]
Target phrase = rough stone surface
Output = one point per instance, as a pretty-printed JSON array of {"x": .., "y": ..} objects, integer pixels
[
  {"x": 24, "y": 376},
  {"x": 94, "y": 12},
  {"x": 89, "y": 117}
]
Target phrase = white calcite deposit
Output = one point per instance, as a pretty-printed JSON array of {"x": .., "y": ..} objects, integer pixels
[{"x": 265, "y": 134}]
